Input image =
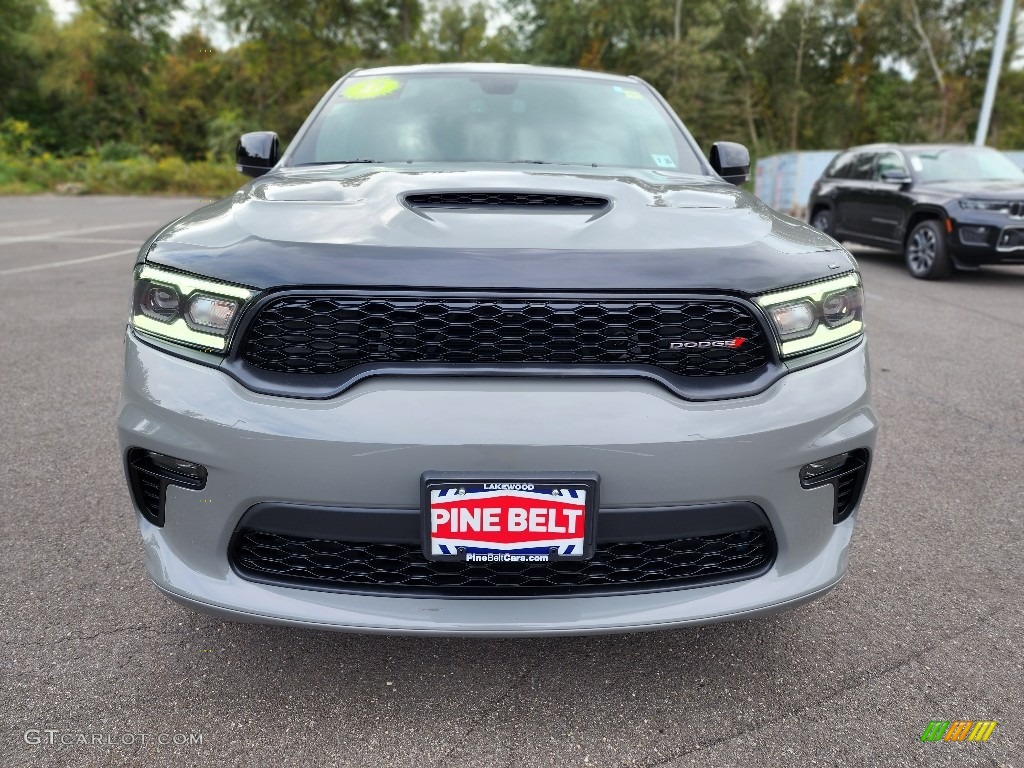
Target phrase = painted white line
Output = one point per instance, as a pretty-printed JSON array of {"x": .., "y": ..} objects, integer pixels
[
  {"x": 74, "y": 232},
  {"x": 59, "y": 240},
  {"x": 28, "y": 223},
  {"x": 71, "y": 262},
  {"x": 873, "y": 296}
]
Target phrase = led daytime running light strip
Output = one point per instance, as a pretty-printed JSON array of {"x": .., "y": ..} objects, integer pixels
[
  {"x": 814, "y": 292},
  {"x": 187, "y": 285},
  {"x": 179, "y": 331},
  {"x": 822, "y": 337}
]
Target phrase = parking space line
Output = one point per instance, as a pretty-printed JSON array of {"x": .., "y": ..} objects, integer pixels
[
  {"x": 126, "y": 241},
  {"x": 74, "y": 232},
  {"x": 68, "y": 263}
]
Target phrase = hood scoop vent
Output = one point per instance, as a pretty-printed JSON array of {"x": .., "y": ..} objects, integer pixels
[{"x": 494, "y": 200}]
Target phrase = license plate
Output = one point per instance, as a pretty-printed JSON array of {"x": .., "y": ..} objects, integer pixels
[{"x": 501, "y": 518}]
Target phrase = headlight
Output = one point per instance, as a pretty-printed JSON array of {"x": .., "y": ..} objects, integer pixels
[
  {"x": 999, "y": 206},
  {"x": 816, "y": 316},
  {"x": 187, "y": 310}
]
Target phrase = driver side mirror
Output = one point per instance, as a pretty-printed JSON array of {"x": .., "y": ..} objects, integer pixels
[
  {"x": 731, "y": 161},
  {"x": 895, "y": 176},
  {"x": 257, "y": 153}
]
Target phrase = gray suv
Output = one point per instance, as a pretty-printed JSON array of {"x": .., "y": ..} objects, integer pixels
[{"x": 494, "y": 350}]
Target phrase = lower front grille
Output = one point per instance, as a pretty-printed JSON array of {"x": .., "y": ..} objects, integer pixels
[{"x": 402, "y": 568}]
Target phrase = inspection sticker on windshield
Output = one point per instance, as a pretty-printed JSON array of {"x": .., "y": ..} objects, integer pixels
[
  {"x": 509, "y": 521},
  {"x": 370, "y": 88},
  {"x": 663, "y": 161}
]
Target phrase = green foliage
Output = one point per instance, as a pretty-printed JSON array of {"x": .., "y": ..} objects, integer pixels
[
  {"x": 454, "y": 31},
  {"x": 16, "y": 137},
  {"x": 223, "y": 132},
  {"x": 110, "y": 100},
  {"x": 91, "y": 173},
  {"x": 118, "y": 150}
]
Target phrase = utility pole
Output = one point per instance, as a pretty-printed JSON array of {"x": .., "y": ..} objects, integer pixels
[{"x": 993, "y": 71}]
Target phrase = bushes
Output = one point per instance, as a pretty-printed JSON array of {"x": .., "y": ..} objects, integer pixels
[
  {"x": 101, "y": 173},
  {"x": 117, "y": 168}
]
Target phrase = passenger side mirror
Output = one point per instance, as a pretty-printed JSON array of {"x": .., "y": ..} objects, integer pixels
[
  {"x": 257, "y": 153},
  {"x": 895, "y": 176},
  {"x": 731, "y": 161}
]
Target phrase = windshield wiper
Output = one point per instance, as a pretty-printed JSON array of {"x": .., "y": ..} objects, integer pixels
[
  {"x": 336, "y": 162},
  {"x": 543, "y": 162}
]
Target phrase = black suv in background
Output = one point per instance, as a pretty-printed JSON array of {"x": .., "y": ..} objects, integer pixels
[{"x": 944, "y": 206}]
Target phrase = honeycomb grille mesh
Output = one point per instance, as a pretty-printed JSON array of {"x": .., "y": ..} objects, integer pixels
[
  {"x": 327, "y": 334},
  {"x": 402, "y": 568}
]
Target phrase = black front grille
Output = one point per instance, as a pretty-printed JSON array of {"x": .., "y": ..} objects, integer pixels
[
  {"x": 502, "y": 199},
  {"x": 402, "y": 568},
  {"x": 328, "y": 334}
]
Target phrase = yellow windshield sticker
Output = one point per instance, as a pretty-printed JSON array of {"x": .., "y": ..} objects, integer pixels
[
  {"x": 633, "y": 95},
  {"x": 371, "y": 88}
]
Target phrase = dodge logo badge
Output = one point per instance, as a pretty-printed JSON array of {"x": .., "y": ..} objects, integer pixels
[{"x": 728, "y": 343}]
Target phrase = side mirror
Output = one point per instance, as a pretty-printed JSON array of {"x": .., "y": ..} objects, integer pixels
[
  {"x": 731, "y": 161},
  {"x": 257, "y": 153},
  {"x": 895, "y": 176}
]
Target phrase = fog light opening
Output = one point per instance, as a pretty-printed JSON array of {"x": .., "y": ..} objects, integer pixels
[
  {"x": 845, "y": 472},
  {"x": 149, "y": 474}
]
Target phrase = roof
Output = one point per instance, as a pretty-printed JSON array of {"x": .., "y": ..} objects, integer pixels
[{"x": 493, "y": 69}]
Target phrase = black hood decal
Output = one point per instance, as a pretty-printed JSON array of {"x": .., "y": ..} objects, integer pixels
[{"x": 349, "y": 226}]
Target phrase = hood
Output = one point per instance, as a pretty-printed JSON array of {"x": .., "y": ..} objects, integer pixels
[
  {"x": 984, "y": 190},
  {"x": 356, "y": 225}
]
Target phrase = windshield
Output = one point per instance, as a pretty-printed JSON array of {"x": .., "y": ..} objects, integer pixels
[
  {"x": 964, "y": 164},
  {"x": 495, "y": 118}
]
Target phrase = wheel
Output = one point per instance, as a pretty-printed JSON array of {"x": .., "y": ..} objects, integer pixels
[
  {"x": 823, "y": 220},
  {"x": 926, "y": 254}
]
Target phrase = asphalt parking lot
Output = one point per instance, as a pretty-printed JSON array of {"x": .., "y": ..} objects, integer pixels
[{"x": 928, "y": 625}]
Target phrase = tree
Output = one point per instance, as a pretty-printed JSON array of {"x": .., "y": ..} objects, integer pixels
[{"x": 19, "y": 58}]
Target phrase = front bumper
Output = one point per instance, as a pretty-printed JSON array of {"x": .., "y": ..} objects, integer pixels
[
  {"x": 368, "y": 448},
  {"x": 985, "y": 238}
]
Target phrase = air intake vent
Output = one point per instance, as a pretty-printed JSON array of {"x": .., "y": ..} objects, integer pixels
[
  {"x": 504, "y": 200},
  {"x": 401, "y": 569}
]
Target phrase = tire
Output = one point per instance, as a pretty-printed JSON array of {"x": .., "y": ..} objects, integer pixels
[
  {"x": 926, "y": 254},
  {"x": 822, "y": 220}
]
